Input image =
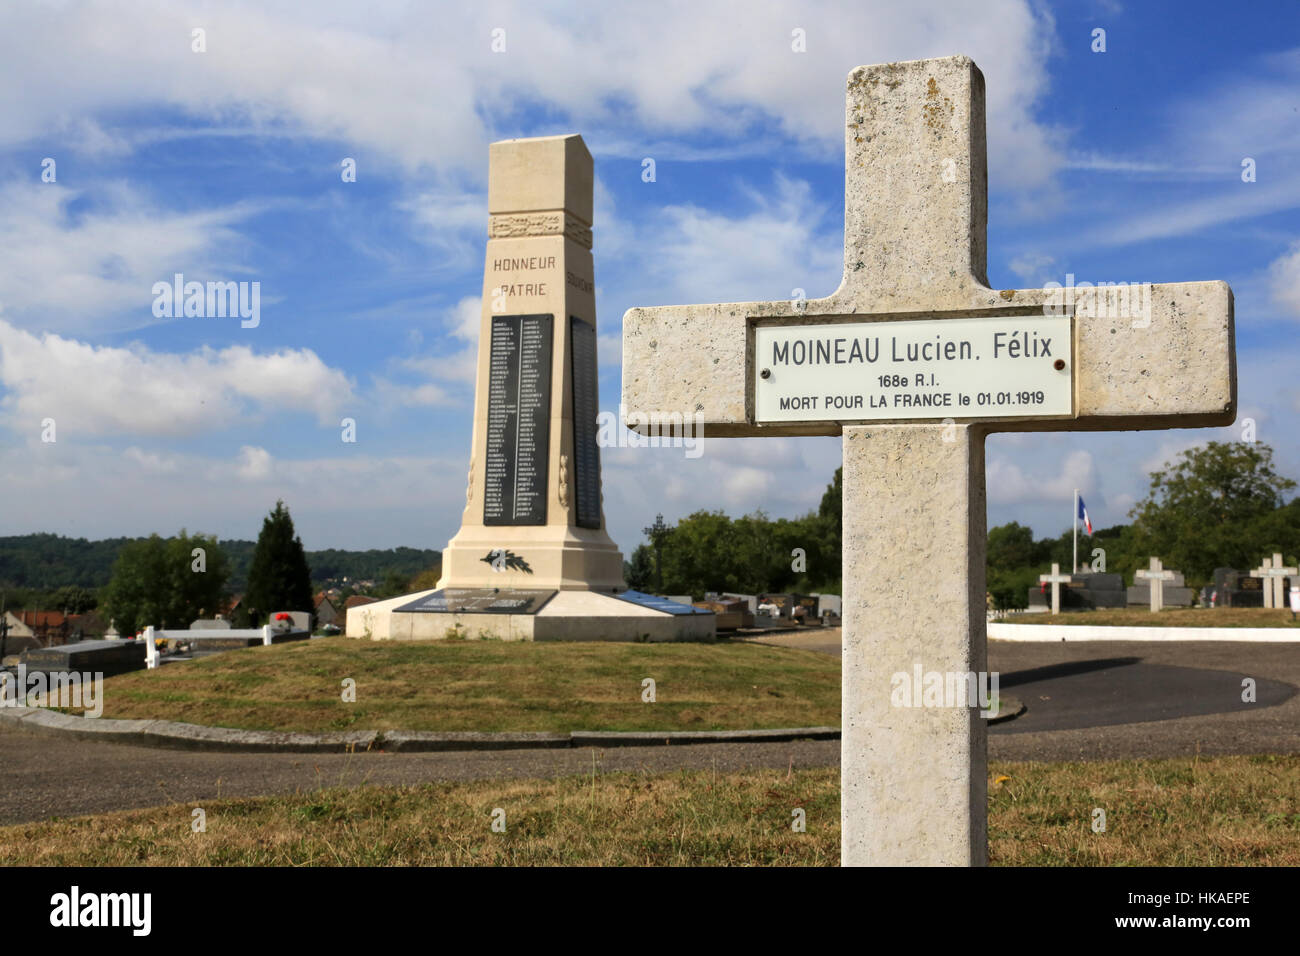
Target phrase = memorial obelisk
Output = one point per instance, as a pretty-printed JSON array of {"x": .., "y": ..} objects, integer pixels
[
  {"x": 532, "y": 559},
  {"x": 533, "y": 514}
]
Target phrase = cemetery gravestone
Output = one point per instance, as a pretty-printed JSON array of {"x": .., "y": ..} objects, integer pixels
[
  {"x": 1273, "y": 574},
  {"x": 1237, "y": 588},
  {"x": 1262, "y": 572},
  {"x": 1087, "y": 591},
  {"x": 1174, "y": 591},
  {"x": 1155, "y": 576},
  {"x": 1055, "y": 579},
  {"x": 1279, "y": 577},
  {"x": 1098, "y": 590},
  {"x": 910, "y": 361},
  {"x": 105, "y": 657}
]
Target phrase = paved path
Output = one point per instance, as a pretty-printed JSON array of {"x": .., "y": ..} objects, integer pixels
[{"x": 1066, "y": 687}]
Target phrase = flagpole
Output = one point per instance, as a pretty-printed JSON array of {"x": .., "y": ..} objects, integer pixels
[{"x": 1074, "y": 525}]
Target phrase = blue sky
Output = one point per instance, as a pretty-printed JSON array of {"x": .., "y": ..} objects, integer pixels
[{"x": 225, "y": 165}]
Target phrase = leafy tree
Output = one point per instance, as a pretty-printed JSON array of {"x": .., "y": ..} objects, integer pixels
[
  {"x": 1206, "y": 508},
  {"x": 1010, "y": 546},
  {"x": 698, "y": 555},
  {"x": 640, "y": 571},
  {"x": 134, "y": 597},
  {"x": 659, "y": 534},
  {"x": 163, "y": 583},
  {"x": 831, "y": 514},
  {"x": 427, "y": 579},
  {"x": 278, "y": 577},
  {"x": 73, "y": 600},
  {"x": 393, "y": 585}
]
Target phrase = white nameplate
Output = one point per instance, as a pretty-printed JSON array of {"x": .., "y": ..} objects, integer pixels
[{"x": 1002, "y": 367}]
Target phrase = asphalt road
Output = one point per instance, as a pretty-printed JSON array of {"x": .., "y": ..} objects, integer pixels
[
  {"x": 1125, "y": 699},
  {"x": 1085, "y": 701},
  {"x": 63, "y": 777}
]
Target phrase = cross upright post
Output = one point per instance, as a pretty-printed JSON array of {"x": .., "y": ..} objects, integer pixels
[
  {"x": 1155, "y": 575},
  {"x": 913, "y": 360},
  {"x": 1273, "y": 574},
  {"x": 1265, "y": 571},
  {"x": 1056, "y": 579},
  {"x": 1279, "y": 574}
]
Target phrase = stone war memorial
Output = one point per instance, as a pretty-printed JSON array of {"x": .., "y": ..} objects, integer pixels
[
  {"x": 913, "y": 361},
  {"x": 532, "y": 559}
]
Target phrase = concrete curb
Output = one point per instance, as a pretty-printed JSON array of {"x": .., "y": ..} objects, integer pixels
[
  {"x": 428, "y": 741},
  {"x": 999, "y": 631},
  {"x": 171, "y": 735},
  {"x": 1017, "y": 708},
  {"x": 650, "y": 738}
]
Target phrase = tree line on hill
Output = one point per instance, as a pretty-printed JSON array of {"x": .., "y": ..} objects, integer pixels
[
  {"x": 1221, "y": 505},
  {"x": 51, "y": 572},
  {"x": 173, "y": 581},
  {"x": 752, "y": 554}
]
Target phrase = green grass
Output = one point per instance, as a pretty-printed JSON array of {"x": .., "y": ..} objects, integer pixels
[
  {"x": 1221, "y": 811},
  {"x": 1169, "y": 617},
  {"x": 488, "y": 686}
]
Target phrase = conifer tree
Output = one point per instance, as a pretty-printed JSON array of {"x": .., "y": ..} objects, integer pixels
[{"x": 278, "y": 578}]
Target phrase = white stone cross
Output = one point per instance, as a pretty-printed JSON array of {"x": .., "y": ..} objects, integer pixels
[
  {"x": 1155, "y": 575},
  {"x": 1263, "y": 572},
  {"x": 914, "y": 780},
  {"x": 1272, "y": 572},
  {"x": 1056, "y": 579}
]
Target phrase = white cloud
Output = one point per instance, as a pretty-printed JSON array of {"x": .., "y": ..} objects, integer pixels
[
  {"x": 1033, "y": 268},
  {"x": 98, "y": 390},
  {"x": 150, "y": 461},
  {"x": 72, "y": 270},
  {"x": 1232, "y": 203},
  {"x": 736, "y": 475},
  {"x": 778, "y": 242},
  {"x": 254, "y": 463},
  {"x": 349, "y": 501},
  {"x": 465, "y": 318},
  {"x": 1284, "y": 281},
  {"x": 414, "y": 84},
  {"x": 1008, "y": 482}
]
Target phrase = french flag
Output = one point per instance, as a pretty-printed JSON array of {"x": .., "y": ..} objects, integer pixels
[{"x": 1083, "y": 515}]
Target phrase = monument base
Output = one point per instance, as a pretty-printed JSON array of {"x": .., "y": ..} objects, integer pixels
[
  {"x": 546, "y": 556},
  {"x": 560, "y": 615}
]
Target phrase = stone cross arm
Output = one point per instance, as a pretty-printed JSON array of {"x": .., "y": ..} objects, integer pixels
[
  {"x": 1179, "y": 372},
  {"x": 1147, "y": 356}
]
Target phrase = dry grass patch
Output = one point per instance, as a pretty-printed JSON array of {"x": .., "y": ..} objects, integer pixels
[
  {"x": 1220, "y": 811},
  {"x": 675, "y": 819}
]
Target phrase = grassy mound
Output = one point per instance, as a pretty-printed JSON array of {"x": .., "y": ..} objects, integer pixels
[{"x": 488, "y": 686}]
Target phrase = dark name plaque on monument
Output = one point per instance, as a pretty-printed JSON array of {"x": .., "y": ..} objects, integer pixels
[
  {"x": 480, "y": 601},
  {"x": 519, "y": 416},
  {"x": 586, "y": 452}
]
